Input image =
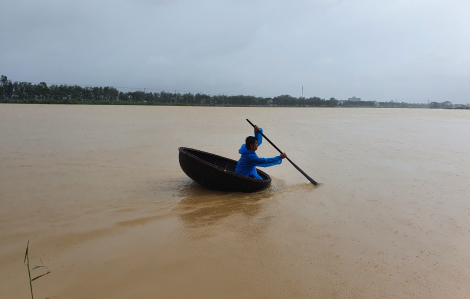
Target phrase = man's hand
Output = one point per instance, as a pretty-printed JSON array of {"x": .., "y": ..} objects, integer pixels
[
  {"x": 256, "y": 129},
  {"x": 283, "y": 155}
]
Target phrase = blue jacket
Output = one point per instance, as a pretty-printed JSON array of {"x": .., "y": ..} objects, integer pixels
[{"x": 249, "y": 160}]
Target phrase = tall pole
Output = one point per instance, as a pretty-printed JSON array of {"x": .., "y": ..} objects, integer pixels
[{"x": 302, "y": 91}]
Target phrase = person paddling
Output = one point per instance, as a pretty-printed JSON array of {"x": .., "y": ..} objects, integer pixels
[{"x": 249, "y": 160}]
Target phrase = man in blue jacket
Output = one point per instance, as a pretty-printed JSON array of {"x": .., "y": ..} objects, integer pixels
[{"x": 249, "y": 159}]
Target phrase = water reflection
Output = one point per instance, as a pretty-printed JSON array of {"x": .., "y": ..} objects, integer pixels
[{"x": 199, "y": 206}]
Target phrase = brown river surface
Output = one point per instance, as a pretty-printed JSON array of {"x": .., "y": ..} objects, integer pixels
[{"x": 99, "y": 194}]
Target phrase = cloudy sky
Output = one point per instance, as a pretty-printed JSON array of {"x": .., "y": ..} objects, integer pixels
[{"x": 405, "y": 50}]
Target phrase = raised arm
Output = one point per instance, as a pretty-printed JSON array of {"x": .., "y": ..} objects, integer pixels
[{"x": 258, "y": 136}]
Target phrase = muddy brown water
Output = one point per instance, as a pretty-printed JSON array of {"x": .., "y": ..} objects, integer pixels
[{"x": 99, "y": 193}]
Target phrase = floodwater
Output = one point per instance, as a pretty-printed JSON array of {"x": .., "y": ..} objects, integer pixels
[{"x": 99, "y": 194}]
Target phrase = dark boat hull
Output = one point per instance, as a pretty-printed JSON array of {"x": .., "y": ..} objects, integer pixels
[{"x": 217, "y": 172}]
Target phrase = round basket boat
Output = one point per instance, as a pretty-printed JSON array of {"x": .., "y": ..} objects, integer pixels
[{"x": 217, "y": 172}]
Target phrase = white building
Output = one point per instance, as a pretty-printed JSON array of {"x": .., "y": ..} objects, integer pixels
[{"x": 354, "y": 99}]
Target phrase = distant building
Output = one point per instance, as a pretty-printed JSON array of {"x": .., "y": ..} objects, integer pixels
[{"x": 354, "y": 99}]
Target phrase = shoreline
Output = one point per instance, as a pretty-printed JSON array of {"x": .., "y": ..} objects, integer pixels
[{"x": 110, "y": 103}]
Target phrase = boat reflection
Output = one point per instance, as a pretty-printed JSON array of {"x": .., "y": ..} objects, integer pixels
[{"x": 200, "y": 206}]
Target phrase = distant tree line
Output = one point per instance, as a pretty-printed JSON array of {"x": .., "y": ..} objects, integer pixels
[
  {"x": 25, "y": 92},
  {"x": 394, "y": 104},
  {"x": 443, "y": 105}
]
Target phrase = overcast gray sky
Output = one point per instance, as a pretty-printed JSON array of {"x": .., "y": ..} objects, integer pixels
[{"x": 409, "y": 50}]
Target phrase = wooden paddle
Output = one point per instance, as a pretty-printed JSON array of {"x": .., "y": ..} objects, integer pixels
[{"x": 297, "y": 167}]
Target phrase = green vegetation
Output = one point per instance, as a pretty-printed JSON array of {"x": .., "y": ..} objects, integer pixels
[
  {"x": 27, "y": 93},
  {"x": 24, "y": 92},
  {"x": 26, "y": 262}
]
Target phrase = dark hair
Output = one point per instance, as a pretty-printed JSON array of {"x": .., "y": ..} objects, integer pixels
[{"x": 250, "y": 140}]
